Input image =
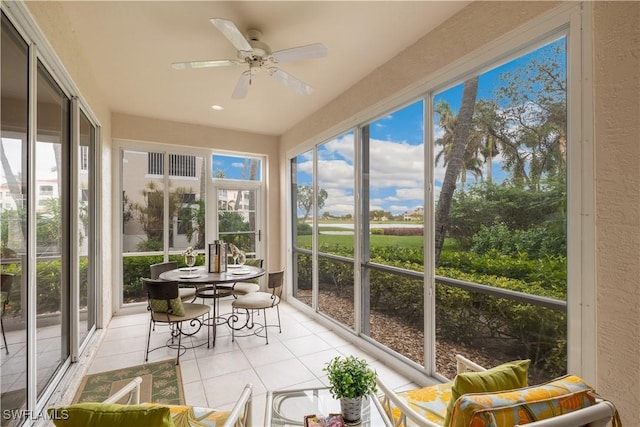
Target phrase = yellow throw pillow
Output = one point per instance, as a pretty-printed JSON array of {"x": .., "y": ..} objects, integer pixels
[
  {"x": 507, "y": 376},
  {"x": 110, "y": 415},
  {"x": 524, "y": 405}
]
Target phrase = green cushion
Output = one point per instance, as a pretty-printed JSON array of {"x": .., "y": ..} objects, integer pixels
[
  {"x": 110, "y": 415},
  {"x": 3, "y": 297},
  {"x": 160, "y": 306},
  {"x": 507, "y": 376}
]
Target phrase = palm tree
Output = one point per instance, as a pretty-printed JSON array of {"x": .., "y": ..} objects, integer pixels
[
  {"x": 473, "y": 149},
  {"x": 462, "y": 128}
]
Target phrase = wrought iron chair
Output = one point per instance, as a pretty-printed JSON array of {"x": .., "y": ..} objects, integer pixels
[
  {"x": 165, "y": 306},
  {"x": 5, "y": 291},
  {"x": 256, "y": 301},
  {"x": 186, "y": 293},
  {"x": 243, "y": 288}
]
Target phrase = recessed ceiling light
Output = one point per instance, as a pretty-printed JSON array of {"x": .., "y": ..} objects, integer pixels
[{"x": 217, "y": 107}]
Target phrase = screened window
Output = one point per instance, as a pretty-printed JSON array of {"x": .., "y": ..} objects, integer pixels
[{"x": 496, "y": 280}]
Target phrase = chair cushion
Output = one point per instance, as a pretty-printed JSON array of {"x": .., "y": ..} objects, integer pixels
[
  {"x": 256, "y": 300},
  {"x": 430, "y": 402},
  {"x": 161, "y": 306},
  {"x": 500, "y": 378},
  {"x": 191, "y": 311},
  {"x": 560, "y": 396},
  {"x": 110, "y": 414},
  {"x": 243, "y": 288},
  {"x": 188, "y": 416},
  {"x": 187, "y": 292}
]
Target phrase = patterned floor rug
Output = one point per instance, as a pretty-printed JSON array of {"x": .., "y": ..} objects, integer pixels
[{"x": 161, "y": 383}]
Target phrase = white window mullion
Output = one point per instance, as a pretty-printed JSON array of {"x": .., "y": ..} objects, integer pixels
[
  {"x": 357, "y": 232},
  {"x": 74, "y": 250},
  {"x": 30, "y": 266},
  {"x": 428, "y": 243}
]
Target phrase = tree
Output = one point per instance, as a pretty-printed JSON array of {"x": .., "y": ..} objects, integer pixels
[
  {"x": 473, "y": 148},
  {"x": 455, "y": 164},
  {"x": 528, "y": 119},
  {"x": 305, "y": 199},
  {"x": 13, "y": 182},
  {"x": 150, "y": 214}
]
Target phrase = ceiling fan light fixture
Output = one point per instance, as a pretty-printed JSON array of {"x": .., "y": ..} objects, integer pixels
[
  {"x": 258, "y": 55},
  {"x": 217, "y": 107}
]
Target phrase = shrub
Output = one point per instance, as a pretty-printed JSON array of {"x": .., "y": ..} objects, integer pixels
[
  {"x": 537, "y": 242},
  {"x": 403, "y": 231},
  {"x": 535, "y": 332},
  {"x": 304, "y": 229}
]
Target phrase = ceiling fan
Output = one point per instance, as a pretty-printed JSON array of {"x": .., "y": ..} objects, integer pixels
[{"x": 258, "y": 56}]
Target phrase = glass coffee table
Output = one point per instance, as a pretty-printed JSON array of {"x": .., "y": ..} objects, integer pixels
[{"x": 289, "y": 407}]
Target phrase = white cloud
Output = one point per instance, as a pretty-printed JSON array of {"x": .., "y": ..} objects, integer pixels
[
  {"x": 335, "y": 174},
  {"x": 396, "y": 164},
  {"x": 410, "y": 193}
]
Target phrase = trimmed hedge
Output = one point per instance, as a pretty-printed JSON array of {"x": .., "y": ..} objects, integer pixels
[
  {"x": 48, "y": 280},
  {"x": 461, "y": 316}
]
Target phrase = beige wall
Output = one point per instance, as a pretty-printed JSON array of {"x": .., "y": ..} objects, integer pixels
[{"x": 617, "y": 187}]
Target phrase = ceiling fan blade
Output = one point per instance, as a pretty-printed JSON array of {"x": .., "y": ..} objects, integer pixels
[
  {"x": 316, "y": 50},
  {"x": 204, "y": 64},
  {"x": 232, "y": 33},
  {"x": 290, "y": 81},
  {"x": 242, "y": 87}
]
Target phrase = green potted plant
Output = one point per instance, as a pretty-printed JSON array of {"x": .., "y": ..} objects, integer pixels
[{"x": 350, "y": 378}]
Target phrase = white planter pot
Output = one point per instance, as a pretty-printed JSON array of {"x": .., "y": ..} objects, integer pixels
[{"x": 351, "y": 409}]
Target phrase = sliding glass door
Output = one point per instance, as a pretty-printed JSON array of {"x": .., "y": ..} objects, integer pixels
[
  {"x": 13, "y": 231},
  {"x": 85, "y": 213},
  {"x": 48, "y": 218},
  {"x": 52, "y": 218}
]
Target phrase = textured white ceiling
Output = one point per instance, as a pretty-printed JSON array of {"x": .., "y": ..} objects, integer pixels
[{"x": 131, "y": 45}]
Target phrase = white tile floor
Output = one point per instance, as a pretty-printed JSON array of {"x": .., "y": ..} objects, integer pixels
[{"x": 214, "y": 377}]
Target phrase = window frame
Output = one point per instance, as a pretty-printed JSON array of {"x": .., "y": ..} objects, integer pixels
[
  {"x": 574, "y": 22},
  {"x": 120, "y": 145}
]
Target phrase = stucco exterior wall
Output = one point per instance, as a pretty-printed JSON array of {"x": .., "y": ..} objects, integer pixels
[
  {"x": 616, "y": 56},
  {"x": 616, "y": 77}
]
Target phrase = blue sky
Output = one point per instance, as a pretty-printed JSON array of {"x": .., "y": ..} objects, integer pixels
[{"x": 233, "y": 167}]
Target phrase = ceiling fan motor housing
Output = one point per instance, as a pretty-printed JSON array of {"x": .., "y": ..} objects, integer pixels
[{"x": 260, "y": 50}]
